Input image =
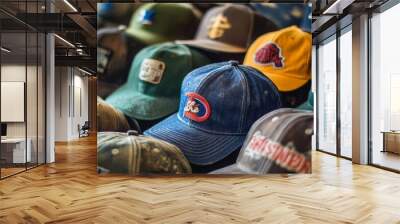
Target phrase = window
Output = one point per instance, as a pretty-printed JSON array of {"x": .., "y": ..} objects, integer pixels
[
  {"x": 346, "y": 93},
  {"x": 326, "y": 99},
  {"x": 385, "y": 89},
  {"x": 22, "y": 75}
]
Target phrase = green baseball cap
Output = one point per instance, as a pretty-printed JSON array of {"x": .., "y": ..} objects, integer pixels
[
  {"x": 309, "y": 104},
  {"x": 154, "y": 81},
  {"x": 133, "y": 154},
  {"x": 161, "y": 22}
]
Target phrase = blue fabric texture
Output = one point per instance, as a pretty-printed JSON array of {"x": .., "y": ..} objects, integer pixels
[
  {"x": 286, "y": 14},
  {"x": 218, "y": 104}
]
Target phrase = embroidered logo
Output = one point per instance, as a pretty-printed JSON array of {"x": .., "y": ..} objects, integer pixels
[
  {"x": 196, "y": 108},
  {"x": 147, "y": 17},
  {"x": 218, "y": 26},
  {"x": 270, "y": 54},
  {"x": 284, "y": 156},
  {"x": 151, "y": 70}
]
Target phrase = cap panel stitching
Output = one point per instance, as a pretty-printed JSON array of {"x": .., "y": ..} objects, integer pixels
[{"x": 245, "y": 100}]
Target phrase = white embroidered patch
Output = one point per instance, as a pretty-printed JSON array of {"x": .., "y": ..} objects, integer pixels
[
  {"x": 191, "y": 107},
  {"x": 151, "y": 70}
]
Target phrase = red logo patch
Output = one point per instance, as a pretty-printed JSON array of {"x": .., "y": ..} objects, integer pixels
[
  {"x": 270, "y": 54},
  {"x": 196, "y": 108}
]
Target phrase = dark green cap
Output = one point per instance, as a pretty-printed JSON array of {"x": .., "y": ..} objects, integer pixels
[
  {"x": 129, "y": 153},
  {"x": 161, "y": 22},
  {"x": 309, "y": 104},
  {"x": 154, "y": 82}
]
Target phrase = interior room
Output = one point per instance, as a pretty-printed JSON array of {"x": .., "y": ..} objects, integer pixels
[
  {"x": 22, "y": 98},
  {"x": 335, "y": 90},
  {"x": 385, "y": 87},
  {"x": 72, "y": 111},
  {"x": 51, "y": 89},
  {"x": 39, "y": 108}
]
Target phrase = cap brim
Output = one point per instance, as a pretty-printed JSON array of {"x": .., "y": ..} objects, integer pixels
[
  {"x": 199, "y": 147},
  {"x": 286, "y": 84},
  {"x": 146, "y": 37},
  {"x": 212, "y": 45},
  {"x": 136, "y": 105},
  {"x": 232, "y": 169}
]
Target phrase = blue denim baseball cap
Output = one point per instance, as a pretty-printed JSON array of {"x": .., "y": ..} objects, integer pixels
[{"x": 218, "y": 104}]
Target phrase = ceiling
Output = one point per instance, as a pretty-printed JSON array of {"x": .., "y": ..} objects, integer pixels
[
  {"x": 328, "y": 13},
  {"x": 73, "y": 20}
]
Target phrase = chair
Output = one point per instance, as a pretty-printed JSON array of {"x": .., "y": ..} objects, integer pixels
[{"x": 84, "y": 130}]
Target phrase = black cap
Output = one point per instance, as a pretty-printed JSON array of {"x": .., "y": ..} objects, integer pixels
[{"x": 230, "y": 28}]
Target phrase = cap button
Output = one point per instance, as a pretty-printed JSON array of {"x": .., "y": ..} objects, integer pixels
[
  {"x": 133, "y": 132},
  {"x": 233, "y": 63}
]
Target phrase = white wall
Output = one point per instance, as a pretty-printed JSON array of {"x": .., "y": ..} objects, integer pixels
[
  {"x": 15, "y": 72},
  {"x": 61, "y": 103},
  {"x": 33, "y": 127},
  {"x": 70, "y": 83}
]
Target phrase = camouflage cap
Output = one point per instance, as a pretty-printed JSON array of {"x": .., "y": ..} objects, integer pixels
[
  {"x": 133, "y": 154},
  {"x": 109, "y": 118}
]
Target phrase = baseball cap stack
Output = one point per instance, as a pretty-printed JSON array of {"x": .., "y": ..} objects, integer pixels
[
  {"x": 279, "y": 142},
  {"x": 218, "y": 104},
  {"x": 213, "y": 106},
  {"x": 150, "y": 24}
]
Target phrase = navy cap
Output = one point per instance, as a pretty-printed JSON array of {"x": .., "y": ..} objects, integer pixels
[{"x": 218, "y": 104}]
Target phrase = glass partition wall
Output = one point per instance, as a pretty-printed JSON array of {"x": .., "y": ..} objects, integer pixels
[
  {"x": 22, "y": 77},
  {"x": 345, "y": 92},
  {"x": 385, "y": 90},
  {"x": 334, "y": 94},
  {"x": 326, "y": 91}
]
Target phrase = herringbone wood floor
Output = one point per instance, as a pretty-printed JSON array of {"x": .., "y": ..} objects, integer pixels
[{"x": 70, "y": 191}]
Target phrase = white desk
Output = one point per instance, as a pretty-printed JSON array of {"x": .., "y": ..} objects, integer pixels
[{"x": 18, "y": 149}]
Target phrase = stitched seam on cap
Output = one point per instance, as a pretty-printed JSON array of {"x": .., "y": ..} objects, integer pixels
[{"x": 245, "y": 100}]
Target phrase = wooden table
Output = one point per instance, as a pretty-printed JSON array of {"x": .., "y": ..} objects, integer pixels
[{"x": 391, "y": 141}]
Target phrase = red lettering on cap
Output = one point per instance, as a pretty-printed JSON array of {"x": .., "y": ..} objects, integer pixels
[
  {"x": 282, "y": 156},
  {"x": 286, "y": 157}
]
